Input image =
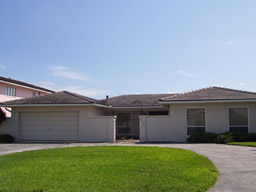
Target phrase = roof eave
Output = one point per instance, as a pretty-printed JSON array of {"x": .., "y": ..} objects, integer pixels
[
  {"x": 137, "y": 107},
  {"x": 36, "y": 89},
  {"x": 208, "y": 101},
  {"x": 53, "y": 105}
]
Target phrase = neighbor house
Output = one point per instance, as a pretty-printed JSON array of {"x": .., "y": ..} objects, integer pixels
[
  {"x": 65, "y": 116},
  {"x": 11, "y": 89}
]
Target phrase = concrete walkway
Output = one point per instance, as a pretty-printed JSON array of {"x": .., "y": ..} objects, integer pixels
[{"x": 237, "y": 165}]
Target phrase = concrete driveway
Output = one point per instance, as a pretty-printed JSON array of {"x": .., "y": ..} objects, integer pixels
[{"x": 237, "y": 165}]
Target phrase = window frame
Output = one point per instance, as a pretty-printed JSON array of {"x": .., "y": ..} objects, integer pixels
[
  {"x": 248, "y": 118},
  {"x": 11, "y": 90},
  {"x": 205, "y": 127}
]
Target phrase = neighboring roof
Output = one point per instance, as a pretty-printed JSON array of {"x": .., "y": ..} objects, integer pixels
[
  {"x": 63, "y": 97},
  {"x": 137, "y": 100},
  {"x": 21, "y": 83},
  {"x": 211, "y": 94}
]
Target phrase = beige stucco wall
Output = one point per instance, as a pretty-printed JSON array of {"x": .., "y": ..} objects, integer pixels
[
  {"x": 160, "y": 128},
  {"x": 93, "y": 127},
  {"x": 217, "y": 115},
  {"x": 174, "y": 126},
  {"x": 99, "y": 129}
]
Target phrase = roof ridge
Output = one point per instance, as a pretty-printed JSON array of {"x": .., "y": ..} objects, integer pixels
[
  {"x": 80, "y": 96},
  {"x": 22, "y": 99},
  {"x": 207, "y": 88},
  {"x": 185, "y": 93},
  {"x": 143, "y": 94},
  {"x": 237, "y": 90},
  {"x": 23, "y": 83}
]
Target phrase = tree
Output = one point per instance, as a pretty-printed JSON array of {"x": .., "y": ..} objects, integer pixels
[{"x": 2, "y": 115}]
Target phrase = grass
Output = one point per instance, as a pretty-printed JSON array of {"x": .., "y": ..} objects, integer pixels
[
  {"x": 249, "y": 144},
  {"x": 107, "y": 169}
]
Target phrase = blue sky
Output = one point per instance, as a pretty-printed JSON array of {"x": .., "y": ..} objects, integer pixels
[{"x": 114, "y": 47}]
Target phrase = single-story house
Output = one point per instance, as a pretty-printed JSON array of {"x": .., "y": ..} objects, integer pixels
[{"x": 65, "y": 116}]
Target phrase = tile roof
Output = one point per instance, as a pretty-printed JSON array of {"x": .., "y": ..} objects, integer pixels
[
  {"x": 63, "y": 97},
  {"x": 9, "y": 80},
  {"x": 211, "y": 94},
  {"x": 137, "y": 100},
  {"x": 140, "y": 100}
]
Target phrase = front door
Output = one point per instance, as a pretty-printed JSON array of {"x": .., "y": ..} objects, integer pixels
[{"x": 123, "y": 124}]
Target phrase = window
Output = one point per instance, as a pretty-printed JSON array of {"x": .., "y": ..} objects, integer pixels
[
  {"x": 195, "y": 120},
  {"x": 34, "y": 94},
  {"x": 11, "y": 91},
  {"x": 238, "y": 119}
]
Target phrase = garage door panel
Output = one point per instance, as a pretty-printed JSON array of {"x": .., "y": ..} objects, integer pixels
[
  {"x": 49, "y": 116},
  {"x": 49, "y": 126},
  {"x": 46, "y": 132}
]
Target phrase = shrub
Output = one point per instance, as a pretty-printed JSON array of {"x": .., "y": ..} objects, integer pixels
[
  {"x": 221, "y": 138},
  {"x": 235, "y": 137},
  {"x": 202, "y": 138},
  {"x": 251, "y": 137},
  {"x": 6, "y": 139},
  {"x": 2, "y": 115},
  {"x": 224, "y": 138},
  {"x": 122, "y": 138},
  {"x": 242, "y": 137}
]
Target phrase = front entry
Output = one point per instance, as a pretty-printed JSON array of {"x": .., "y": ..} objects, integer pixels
[{"x": 123, "y": 125}]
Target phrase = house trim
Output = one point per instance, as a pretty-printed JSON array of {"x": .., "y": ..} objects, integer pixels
[
  {"x": 208, "y": 101},
  {"x": 139, "y": 107},
  {"x": 54, "y": 105}
]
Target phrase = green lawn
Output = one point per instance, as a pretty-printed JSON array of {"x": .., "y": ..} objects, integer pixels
[
  {"x": 107, "y": 169},
  {"x": 249, "y": 144}
]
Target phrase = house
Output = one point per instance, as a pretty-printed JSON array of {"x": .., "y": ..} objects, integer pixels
[
  {"x": 65, "y": 116},
  {"x": 11, "y": 89}
]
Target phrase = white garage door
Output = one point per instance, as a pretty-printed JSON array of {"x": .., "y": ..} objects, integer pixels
[{"x": 49, "y": 126}]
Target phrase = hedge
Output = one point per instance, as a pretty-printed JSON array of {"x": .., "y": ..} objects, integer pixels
[{"x": 221, "y": 138}]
